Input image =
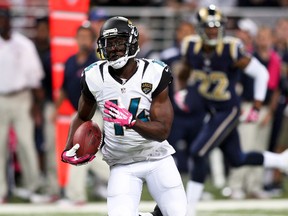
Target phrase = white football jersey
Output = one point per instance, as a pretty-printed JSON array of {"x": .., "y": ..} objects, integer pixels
[{"x": 125, "y": 145}]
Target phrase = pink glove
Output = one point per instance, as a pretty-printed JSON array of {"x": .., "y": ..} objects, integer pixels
[
  {"x": 179, "y": 98},
  {"x": 253, "y": 116},
  {"x": 119, "y": 115},
  {"x": 71, "y": 158}
]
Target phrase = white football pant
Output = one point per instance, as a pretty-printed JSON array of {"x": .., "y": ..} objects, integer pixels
[{"x": 163, "y": 181}]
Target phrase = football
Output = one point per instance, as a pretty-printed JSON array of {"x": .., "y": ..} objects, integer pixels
[{"x": 89, "y": 136}]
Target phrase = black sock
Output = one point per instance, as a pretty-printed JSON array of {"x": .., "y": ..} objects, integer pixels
[{"x": 157, "y": 211}]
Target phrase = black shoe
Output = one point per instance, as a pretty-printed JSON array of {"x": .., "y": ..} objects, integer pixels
[{"x": 157, "y": 211}]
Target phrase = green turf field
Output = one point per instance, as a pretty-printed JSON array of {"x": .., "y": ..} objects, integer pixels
[
  {"x": 283, "y": 212},
  {"x": 274, "y": 207}
]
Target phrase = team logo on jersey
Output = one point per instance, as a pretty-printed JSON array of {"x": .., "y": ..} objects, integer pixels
[{"x": 146, "y": 87}]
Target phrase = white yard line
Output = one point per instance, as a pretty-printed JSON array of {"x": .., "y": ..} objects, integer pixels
[
  {"x": 217, "y": 205},
  {"x": 243, "y": 204}
]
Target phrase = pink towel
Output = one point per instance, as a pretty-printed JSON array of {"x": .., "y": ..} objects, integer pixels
[{"x": 274, "y": 69}]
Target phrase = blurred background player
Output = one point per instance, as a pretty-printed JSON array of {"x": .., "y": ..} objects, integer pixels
[
  {"x": 274, "y": 179},
  {"x": 75, "y": 190},
  {"x": 21, "y": 72},
  {"x": 246, "y": 31},
  {"x": 85, "y": 38},
  {"x": 215, "y": 68},
  {"x": 45, "y": 129},
  {"x": 256, "y": 136},
  {"x": 188, "y": 109},
  {"x": 216, "y": 83}
]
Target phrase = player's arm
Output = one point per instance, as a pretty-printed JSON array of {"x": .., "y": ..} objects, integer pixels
[
  {"x": 184, "y": 73},
  {"x": 161, "y": 117},
  {"x": 86, "y": 110},
  {"x": 185, "y": 68},
  {"x": 252, "y": 67},
  {"x": 161, "y": 112}
]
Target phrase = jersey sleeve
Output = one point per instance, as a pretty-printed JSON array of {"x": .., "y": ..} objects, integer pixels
[
  {"x": 166, "y": 79},
  {"x": 184, "y": 46},
  {"x": 237, "y": 49},
  {"x": 84, "y": 88}
]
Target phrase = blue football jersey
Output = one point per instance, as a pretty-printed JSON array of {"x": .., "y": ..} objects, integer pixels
[{"x": 214, "y": 72}]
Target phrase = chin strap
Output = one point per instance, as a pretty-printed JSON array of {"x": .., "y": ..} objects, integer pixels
[
  {"x": 119, "y": 63},
  {"x": 122, "y": 61}
]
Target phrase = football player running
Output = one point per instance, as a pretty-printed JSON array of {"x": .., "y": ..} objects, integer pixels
[
  {"x": 215, "y": 60},
  {"x": 132, "y": 95}
]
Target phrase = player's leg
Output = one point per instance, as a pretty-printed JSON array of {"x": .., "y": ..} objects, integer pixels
[
  {"x": 217, "y": 168},
  {"x": 176, "y": 139},
  {"x": 254, "y": 182},
  {"x": 75, "y": 190},
  {"x": 101, "y": 172},
  {"x": 237, "y": 158},
  {"x": 5, "y": 113},
  {"x": 212, "y": 134},
  {"x": 195, "y": 184},
  {"x": 100, "y": 168},
  {"x": 50, "y": 156},
  {"x": 26, "y": 149},
  {"x": 165, "y": 186},
  {"x": 124, "y": 190},
  {"x": 238, "y": 176}
]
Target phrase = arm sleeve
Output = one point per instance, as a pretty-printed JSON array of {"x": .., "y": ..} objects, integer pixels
[
  {"x": 166, "y": 80},
  {"x": 261, "y": 76}
]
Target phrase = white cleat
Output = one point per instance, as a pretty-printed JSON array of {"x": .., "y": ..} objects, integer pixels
[{"x": 145, "y": 214}]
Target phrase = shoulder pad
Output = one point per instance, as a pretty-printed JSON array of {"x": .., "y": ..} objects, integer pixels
[
  {"x": 192, "y": 38},
  {"x": 93, "y": 66},
  {"x": 90, "y": 67},
  {"x": 187, "y": 40},
  {"x": 159, "y": 63},
  {"x": 235, "y": 44},
  {"x": 231, "y": 39},
  {"x": 156, "y": 67}
]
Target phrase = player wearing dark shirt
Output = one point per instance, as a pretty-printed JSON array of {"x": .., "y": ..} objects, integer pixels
[
  {"x": 188, "y": 106},
  {"x": 215, "y": 61},
  {"x": 72, "y": 77},
  {"x": 75, "y": 65}
]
